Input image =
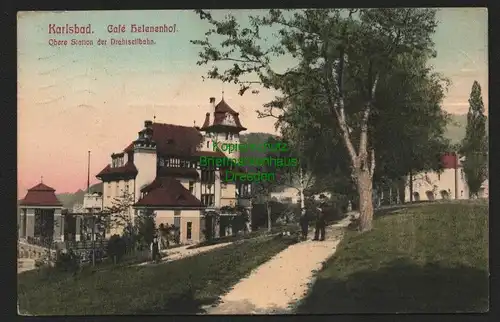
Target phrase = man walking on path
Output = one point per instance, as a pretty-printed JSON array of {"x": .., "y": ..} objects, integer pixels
[
  {"x": 320, "y": 223},
  {"x": 155, "y": 249},
  {"x": 304, "y": 224}
]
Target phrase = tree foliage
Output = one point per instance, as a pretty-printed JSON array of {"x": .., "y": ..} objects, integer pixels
[
  {"x": 475, "y": 143},
  {"x": 120, "y": 211},
  {"x": 341, "y": 54}
]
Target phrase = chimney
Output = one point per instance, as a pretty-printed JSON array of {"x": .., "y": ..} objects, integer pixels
[
  {"x": 212, "y": 104},
  {"x": 148, "y": 124}
]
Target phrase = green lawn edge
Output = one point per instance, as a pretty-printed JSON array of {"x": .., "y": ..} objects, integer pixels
[
  {"x": 430, "y": 258},
  {"x": 183, "y": 286}
]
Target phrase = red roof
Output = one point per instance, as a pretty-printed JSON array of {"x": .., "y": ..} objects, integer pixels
[
  {"x": 41, "y": 195},
  {"x": 221, "y": 110},
  {"x": 174, "y": 140},
  {"x": 171, "y": 140},
  {"x": 167, "y": 192},
  {"x": 128, "y": 170},
  {"x": 449, "y": 161}
]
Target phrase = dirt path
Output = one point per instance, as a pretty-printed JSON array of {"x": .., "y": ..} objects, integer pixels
[
  {"x": 277, "y": 284},
  {"x": 183, "y": 252}
]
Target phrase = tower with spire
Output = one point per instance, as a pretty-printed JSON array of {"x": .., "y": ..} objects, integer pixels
[{"x": 222, "y": 124}]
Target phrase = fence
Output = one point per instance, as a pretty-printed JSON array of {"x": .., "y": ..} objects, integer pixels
[{"x": 84, "y": 249}]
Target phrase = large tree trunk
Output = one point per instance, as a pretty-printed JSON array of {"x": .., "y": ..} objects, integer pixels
[
  {"x": 269, "y": 218},
  {"x": 365, "y": 190},
  {"x": 301, "y": 191}
]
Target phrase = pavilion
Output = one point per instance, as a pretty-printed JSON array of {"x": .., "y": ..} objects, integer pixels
[{"x": 40, "y": 215}]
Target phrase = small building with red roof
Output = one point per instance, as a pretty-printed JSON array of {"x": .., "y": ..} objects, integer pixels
[
  {"x": 40, "y": 216},
  {"x": 449, "y": 183},
  {"x": 160, "y": 170}
]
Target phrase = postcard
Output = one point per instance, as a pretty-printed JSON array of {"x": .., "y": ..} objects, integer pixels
[{"x": 305, "y": 161}]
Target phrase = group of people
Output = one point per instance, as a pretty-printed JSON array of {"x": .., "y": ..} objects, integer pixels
[{"x": 320, "y": 223}]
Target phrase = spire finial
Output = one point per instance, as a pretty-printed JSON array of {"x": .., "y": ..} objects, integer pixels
[
  {"x": 154, "y": 118},
  {"x": 194, "y": 123},
  {"x": 223, "y": 94}
]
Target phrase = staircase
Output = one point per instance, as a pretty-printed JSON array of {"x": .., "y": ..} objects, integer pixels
[
  {"x": 25, "y": 264},
  {"x": 28, "y": 254}
]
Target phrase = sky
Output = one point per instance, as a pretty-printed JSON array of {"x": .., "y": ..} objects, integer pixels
[{"x": 74, "y": 99}]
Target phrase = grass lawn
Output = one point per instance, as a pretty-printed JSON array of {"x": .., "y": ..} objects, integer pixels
[
  {"x": 178, "y": 287},
  {"x": 426, "y": 258}
]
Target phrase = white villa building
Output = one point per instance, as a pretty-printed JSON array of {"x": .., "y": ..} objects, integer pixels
[
  {"x": 160, "y": 171},
  {"x": 449, "y": 184}
]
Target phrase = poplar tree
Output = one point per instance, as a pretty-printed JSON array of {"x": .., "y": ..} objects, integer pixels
[{"x": 475, "y": 143}]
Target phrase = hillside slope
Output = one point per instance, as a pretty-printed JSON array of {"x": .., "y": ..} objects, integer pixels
[{"x": 428, "y": 258}]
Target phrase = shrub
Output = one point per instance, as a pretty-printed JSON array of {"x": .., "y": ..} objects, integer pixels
[
  {"x": 117, "y": 247},
  {"x": 67, "y": 261}
]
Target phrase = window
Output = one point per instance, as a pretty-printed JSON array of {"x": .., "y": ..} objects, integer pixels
[
  {"x": 191, "y": 186},
  {"x": 208, "y": 144},
  {"x": 126, "y": 187},
  {"x": 188, "y": 229},
  {"x": 107, "y": 224},
  {"x": 177, "y": 220},
  {"x": 161, "y": 162},
  {"x": 208, "y": 176},
  {"x": 117, "y": 188},
  {"x": 227, "y": 136},
  {"x": 439, "y": 176},
  {"x": 174, "y": 162},
  {"x": 208, "y": 199},
  {"x": 245, "y": 190},
  {"x": 113, "y": 162}
]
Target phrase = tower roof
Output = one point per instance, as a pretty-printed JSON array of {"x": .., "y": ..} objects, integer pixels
[
  {"x": 221, "y": 112},
  {"x": 41, "y": 195}
]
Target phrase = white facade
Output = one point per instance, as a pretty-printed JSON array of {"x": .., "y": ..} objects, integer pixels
[
  {"x": 450, "y": 184},
  {"x": 288, "y": 195},
  {"x": 92, "y": 201},
  {"x": 145, "y": 160},
  {"x": 187, "y": 220}
]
